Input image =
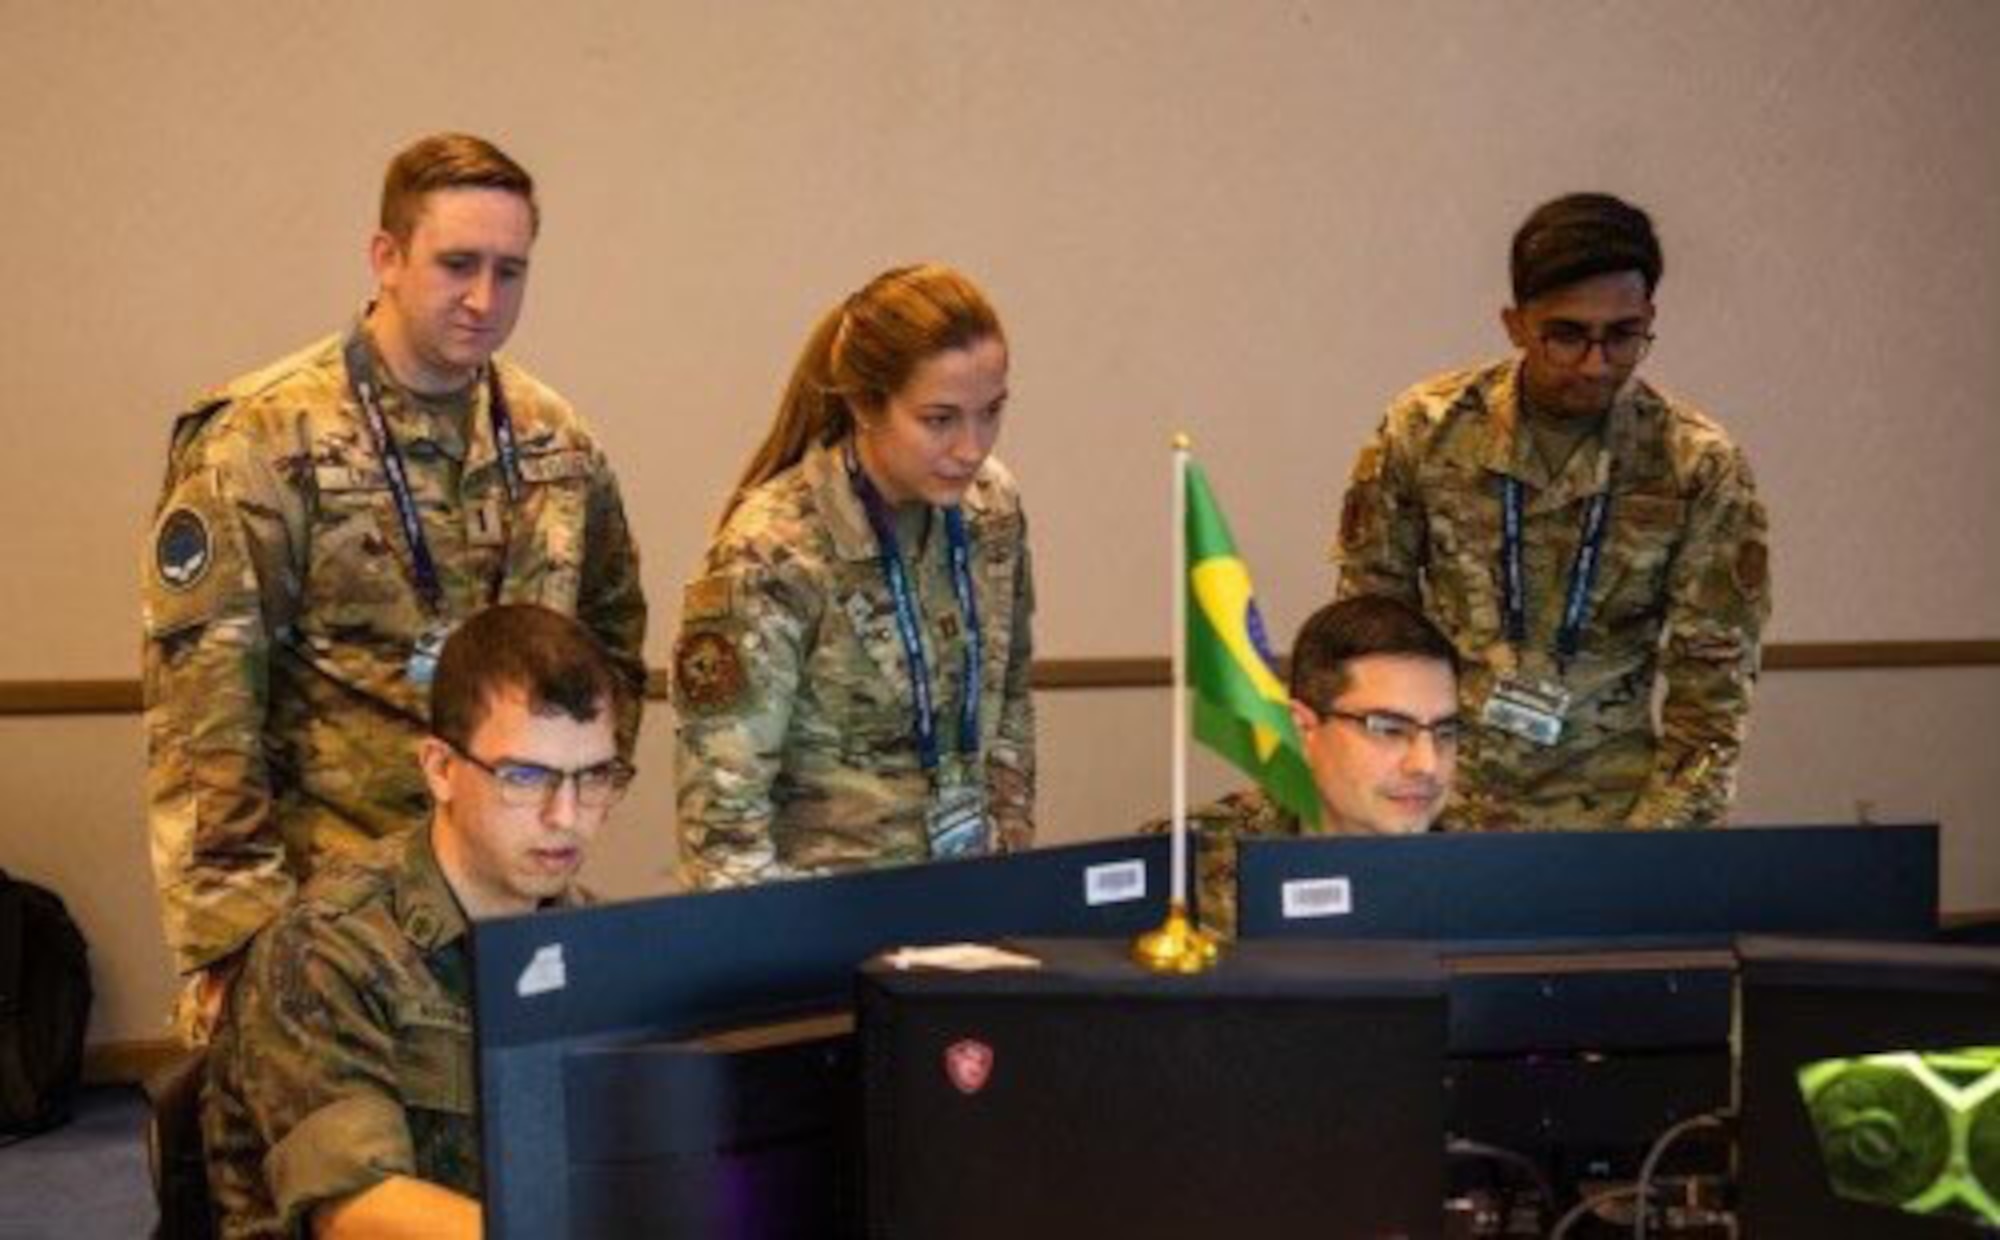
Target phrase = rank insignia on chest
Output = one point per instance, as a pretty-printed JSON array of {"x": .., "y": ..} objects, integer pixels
[
  {"x": 183, "y": 550},
  {"x": 708, "y": 671}
]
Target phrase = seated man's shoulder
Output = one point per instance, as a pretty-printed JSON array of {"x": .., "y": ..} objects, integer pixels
[
  {"x": 347, "y": 906},
  {"x": 1245, "y": 812}
]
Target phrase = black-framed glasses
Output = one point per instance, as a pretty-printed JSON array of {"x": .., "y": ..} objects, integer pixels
[
  {"x": 524, "y": 784},
  {"x": 1568, "y": 344},
  {"x": 1400, "y": 730}
]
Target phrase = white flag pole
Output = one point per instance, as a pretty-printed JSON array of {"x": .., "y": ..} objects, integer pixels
[
  {"x": 1180, "y": 588},
  {"x": 1179, "y": 946}
]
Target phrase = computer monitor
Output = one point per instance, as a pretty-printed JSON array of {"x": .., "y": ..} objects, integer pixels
[
  {"x": 1591, "y": 973},
  {"x": 602, "y": 1112},
  {"x": 1870, "y": 1096},
  {"x": 1582, "y": 889}
]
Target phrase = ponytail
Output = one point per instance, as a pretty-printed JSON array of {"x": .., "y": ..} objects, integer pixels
[{"x": 810, "y": 412}]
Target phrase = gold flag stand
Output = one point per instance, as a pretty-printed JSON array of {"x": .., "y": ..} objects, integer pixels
[{"x": 1179, "y": 946}]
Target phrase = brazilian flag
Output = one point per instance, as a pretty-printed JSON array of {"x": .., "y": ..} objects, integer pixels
[{"x": 1241, "y": 709}]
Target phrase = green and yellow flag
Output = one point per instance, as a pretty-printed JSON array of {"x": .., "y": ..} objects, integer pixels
[{"x": 1241, "y": 708}]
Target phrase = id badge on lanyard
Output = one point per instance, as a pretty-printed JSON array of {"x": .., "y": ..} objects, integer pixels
[
  {"x": 1531, "y": 707},
  {"x": 955, "y": 820},
  {"x": 421, "y": 667}
]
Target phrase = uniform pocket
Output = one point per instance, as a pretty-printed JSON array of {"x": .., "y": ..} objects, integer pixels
[
  {"x": 434, "y": 1063},
  {"x": 545, "y": 564},
  {"x": 1645, "y": 531},
  {"x": 357, "y": 564}
]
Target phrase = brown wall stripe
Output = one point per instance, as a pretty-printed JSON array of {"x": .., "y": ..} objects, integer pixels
[{"x": 121, "y": 697}]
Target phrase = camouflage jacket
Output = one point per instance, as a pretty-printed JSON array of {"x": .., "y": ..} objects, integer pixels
[
  {"x": 280, "y": 614},
  {"x": 1681, "y": 595},
  {"x": 1215, "y": 828},
  {"x": 345, "y": 1055},
  {"x": 797, "y": 749}
]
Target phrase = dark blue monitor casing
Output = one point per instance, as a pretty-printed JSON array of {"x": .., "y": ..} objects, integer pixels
[{"x": 549, "y": 987}]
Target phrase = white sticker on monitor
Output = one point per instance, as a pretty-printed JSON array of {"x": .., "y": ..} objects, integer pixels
[
  {"x": 1317, "y": 897},
  {"x": 544, "y": 973},
  {"x": 1114, "y": 882}
]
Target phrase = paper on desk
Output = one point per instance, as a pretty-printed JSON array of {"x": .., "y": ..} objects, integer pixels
[{"x": 960, "y": 958}]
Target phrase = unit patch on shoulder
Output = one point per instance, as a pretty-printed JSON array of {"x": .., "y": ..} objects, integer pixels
[
  {"x": 183, "y": 550},
  {"x": 708, "y": 672}
]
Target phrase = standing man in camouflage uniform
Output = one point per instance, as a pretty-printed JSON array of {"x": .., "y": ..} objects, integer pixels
[
  {"x": 340, "y": 1096},
  {"x": 1374, "y": 690},
  {"x": 1581, "y": 536},
  {"x": 325, "y": 523},
  {"x": 852, "y": 667}
]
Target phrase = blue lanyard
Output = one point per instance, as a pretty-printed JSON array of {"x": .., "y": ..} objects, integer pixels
[
  {"x": 1582, "y": 573},
  {"x": 904, "y": 596},
  {"x": 361, "y": 376}
]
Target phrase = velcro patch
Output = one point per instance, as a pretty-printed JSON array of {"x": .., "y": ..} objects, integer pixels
[
  {"x": 555, "y": 466},
  {"x": 183, "y": 550},
  {"x": 1357, "y": 517},
  {"x": 1753, "y": 569},
  {"x": 708, "y": 672},
  {"x": 710, "y": 598}
]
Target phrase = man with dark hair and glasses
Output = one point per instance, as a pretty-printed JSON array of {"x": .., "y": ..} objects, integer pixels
[
  {"x": 340, "y": 1100},
  {"x": 1374, "y": 690},
  {"x": 1583, "y": 537}
]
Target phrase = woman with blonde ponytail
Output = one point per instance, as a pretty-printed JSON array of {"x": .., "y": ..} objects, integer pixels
[{"x": 852, "y": 667}]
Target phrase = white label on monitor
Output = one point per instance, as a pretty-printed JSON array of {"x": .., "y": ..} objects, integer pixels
[
  {"x": 1317, "y": 897},
  {"x": 1114, "y": 882},
  {"x": 544, "y": 973}
]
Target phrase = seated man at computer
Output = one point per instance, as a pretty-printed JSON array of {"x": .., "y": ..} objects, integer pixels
[
  {"x": 1374, "y": 689},
  {"x": 340, "y": 1099}
]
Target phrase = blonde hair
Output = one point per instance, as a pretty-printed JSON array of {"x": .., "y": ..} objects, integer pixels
[{"x": 860, "y": 354}]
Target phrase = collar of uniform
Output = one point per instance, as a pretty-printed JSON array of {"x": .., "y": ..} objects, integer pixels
[
  {"x": 1511, "y": 450},
  {"x": 410, "y": 422},
  {"x": 846, "y": 520},
  {"x": 425, "y": 907}
]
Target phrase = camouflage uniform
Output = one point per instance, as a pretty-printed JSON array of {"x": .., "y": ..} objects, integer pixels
[
  {"x": 1684, "y": 559},
  {"x": 281, "y": 612},
  {"x": 1215, "y": 828},
  {"x": 346, "y": 1055},
  {"x": 797, "y": 752}
]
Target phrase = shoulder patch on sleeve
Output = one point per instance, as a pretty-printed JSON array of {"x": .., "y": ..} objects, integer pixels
[
  {"x": 183, "y": 549},
  {"x": 708, "y": 671}
]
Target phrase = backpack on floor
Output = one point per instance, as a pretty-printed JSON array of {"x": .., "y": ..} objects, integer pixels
[{"x": 44, "y": 1008}]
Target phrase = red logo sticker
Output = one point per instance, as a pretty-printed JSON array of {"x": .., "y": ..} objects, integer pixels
[{"x": 968, "y": 1064}]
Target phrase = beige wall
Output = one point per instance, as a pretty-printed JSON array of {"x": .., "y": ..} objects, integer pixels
[{"x": 1253, "y": 221}]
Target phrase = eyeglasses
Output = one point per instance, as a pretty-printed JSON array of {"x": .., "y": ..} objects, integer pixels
[
  {"x": 1401, "y": 731},
  {"x": 523, "y": 784},
  {"x": 1568, "y": 344}
]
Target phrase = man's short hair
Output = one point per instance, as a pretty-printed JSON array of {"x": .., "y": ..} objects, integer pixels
[
  {"x": 543, "y": 654},
  {"x": 1354, "y": 628},
  {"x": 449, "y": 161},
  {"x": 1579, "y": 236}
]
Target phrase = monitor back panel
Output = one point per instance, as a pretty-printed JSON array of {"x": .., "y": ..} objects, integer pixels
[{"x": 550, "y": 986}]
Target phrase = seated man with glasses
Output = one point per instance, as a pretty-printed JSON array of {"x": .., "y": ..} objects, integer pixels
[
  {"x": 340, "y": 1098},
  {"x": 1374, "y": 691},
  {"x": 1582, "y": 537}
]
